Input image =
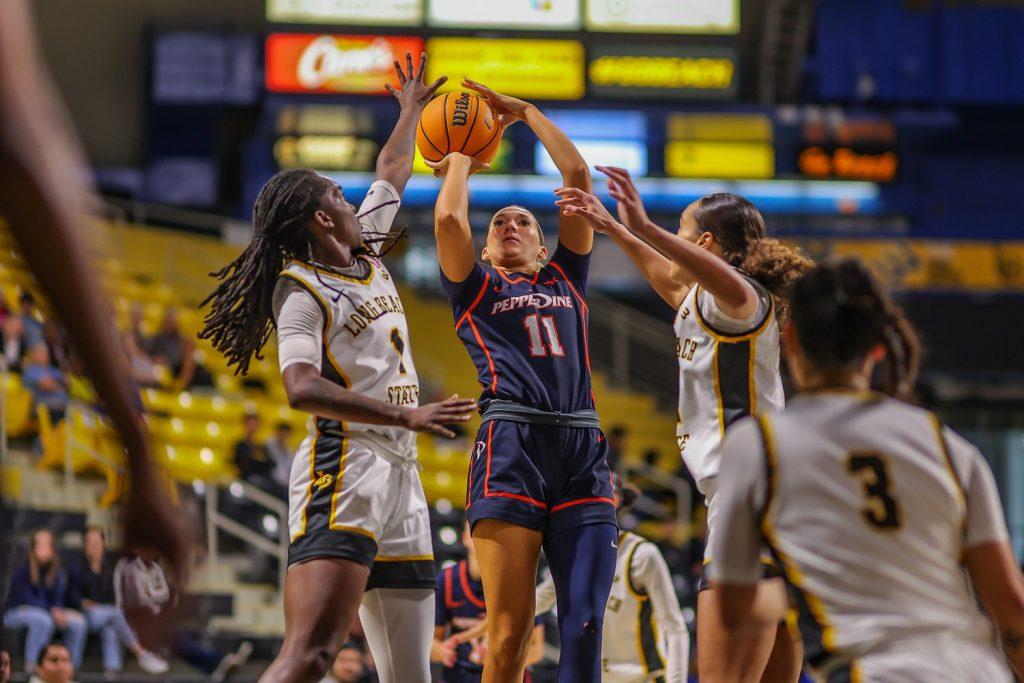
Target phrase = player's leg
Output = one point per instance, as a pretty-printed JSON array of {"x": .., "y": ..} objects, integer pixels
[
  {"x": 582, "y": 563},
  {"x": 397, "y": 611},
  {"x": 321, "y": 597},
  {"x": 508, "y": 556},
  {"x": 331, "y": 552},
  {"x": 581, "y": 546},
  {"x": 727, "y": 655},
  {"x": 787, "y": 657},
  {"x": 399, "y": 627}
]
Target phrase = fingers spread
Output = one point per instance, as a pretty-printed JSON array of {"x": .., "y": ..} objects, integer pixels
[
  {"x": 401, "y": 74},
  {"x": 437, "y": 84},
  {"x": 423, "y": 66}
]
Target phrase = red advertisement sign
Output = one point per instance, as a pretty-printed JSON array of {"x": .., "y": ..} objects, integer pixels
[{"x": 308, "y": 62}]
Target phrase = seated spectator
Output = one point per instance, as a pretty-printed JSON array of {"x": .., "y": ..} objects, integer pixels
[
  {"x": 140, "y": 585},
  {"x": 135, "y": 325},
  {"x": 37, "y": 602},
  {"x": 14, "y": 342},
  {"x": 92, "y": 588},
  {"x": 54, "y": 665},
  {"x": 144, "y": 370},
  {"x": 170, "y": 348},
  {"x": 46, "y": 382},
  {"x": 348, "y": 666},
  {"x": 31, "y": 319},
  {"x": 279, "y": 450},
  {"x": 251, "y": 459}
]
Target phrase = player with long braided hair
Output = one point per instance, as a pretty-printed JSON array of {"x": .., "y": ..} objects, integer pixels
[
  {"x": 358, "y": 519},
  {"x": 872, "y": 508}
]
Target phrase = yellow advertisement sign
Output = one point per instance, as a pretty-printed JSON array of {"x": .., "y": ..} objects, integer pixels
[
  {"x": 719, "y": 159},
  {"x": 662, "y": 71},
  {"x": 542, "y": 69},
  {"x": 956, "y": 265},
  {"x": 720, "y": 126}
]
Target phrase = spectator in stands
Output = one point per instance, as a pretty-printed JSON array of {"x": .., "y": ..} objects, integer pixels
[
  {"x": 176, "y": 351},
  {"x": 251, "y": 459},
  {"x": 14, "y": 342},
  {"x": 54, "y": 666},
  {"x": 348, "y": 666},
  {"x": 617, "y": 449},
  {"x": 140, "y": 585},
  {"x": 5, "y": 666},
  {"x": 135, "y": 325},
  {"x": 92, "y": 588},
  {"x": 279, "y": 451},
  {"x": 144, "y": 370},
  {"x": 46, "y": 382},
  {"x": 31, "y": 319},
  {"x": 37, "y": 602}
]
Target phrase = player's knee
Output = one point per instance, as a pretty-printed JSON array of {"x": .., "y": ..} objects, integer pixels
[
  {"x": 509, "y": 644},
  {"x": 582, "y": 626},
  {"x": 305, "y": 663}
]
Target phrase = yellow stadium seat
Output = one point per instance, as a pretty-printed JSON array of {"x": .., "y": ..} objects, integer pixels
[{"x": 19, "y": 407}]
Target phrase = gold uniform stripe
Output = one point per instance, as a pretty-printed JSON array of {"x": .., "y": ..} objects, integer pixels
[
  {"x": 328, "y": 324},
  {"x": 309, "y": 492},
  {"x": 791, "y": 569},
  {"x": 718, "y": 336},
  {"x": 718, "y": 389},
  {"x": 338, "y": 481},
  {"x": 751, "y": 384},
  {"x": 405, "y": 558},
  {"x": 629, "y": 573},
  {"x": 347, "y": 278}
]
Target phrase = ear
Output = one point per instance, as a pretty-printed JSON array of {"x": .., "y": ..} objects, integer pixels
[
  {"x": 485, "y": 254},
  {"x": 323, "y": 220},
  {"x": 705, "y": 240},
  {"x": 542, "y": 255}
]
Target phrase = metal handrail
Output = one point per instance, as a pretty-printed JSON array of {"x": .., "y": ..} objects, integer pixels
[
  {"x": 215, "y": 520},
  {"x": 677, "y": 485}
]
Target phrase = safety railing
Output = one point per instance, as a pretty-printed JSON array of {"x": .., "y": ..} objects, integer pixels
[
  {"x": 678, "y": 487},
  {"x": 217, "y": 521}
]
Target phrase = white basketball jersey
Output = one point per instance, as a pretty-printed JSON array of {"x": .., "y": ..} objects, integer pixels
[
  {"x": 722, "y": 378},
  {"x": 631, "y": 646},
  {"x": 865, "y": 509},
  {"x": 365, "y": 345}
]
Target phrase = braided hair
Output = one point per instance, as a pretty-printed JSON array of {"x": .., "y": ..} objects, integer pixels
[{"x": 841, "y": 313}]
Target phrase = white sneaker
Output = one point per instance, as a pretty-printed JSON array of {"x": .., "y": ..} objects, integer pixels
[{"x": 152, "y": 664}]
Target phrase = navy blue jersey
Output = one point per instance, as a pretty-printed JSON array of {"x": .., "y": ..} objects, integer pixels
[
  {"x": 527, "y": 333},
  {"x": 459, "y": 603}
]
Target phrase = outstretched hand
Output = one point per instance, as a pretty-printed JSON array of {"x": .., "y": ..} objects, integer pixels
[
  {"x": 623, "y": 190},
  {"x": 433, "y": 417},
  {"x": 442, "y": 167},
  {"x": 413, "y": 90},
  {"x": 575, "y": 202},
  {"x": 507, "y": 109}
]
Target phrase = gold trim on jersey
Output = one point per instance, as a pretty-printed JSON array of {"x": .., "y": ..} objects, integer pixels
[
  {"x": 947, "y": 458},
  {"x": 338, "y": 482},
  {"x": 309, "y": 493},
  {"x": 751, "y": 384},
  {"x": 728, "y": 338},
  {"x": 330, "y": 273},
  {"x": 354, "y": 530},
  {"x": 629, "y": 570},
  {"x": 405, "y": 558},
  {"x": 792, "y": 571},
  {"x": 720, "y": 409}
]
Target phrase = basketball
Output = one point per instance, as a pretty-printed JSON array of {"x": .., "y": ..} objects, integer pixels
[{"x": 458, "y": 122}]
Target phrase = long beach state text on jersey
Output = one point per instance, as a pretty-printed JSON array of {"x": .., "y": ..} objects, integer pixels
[{"x": 527, "y": 332}]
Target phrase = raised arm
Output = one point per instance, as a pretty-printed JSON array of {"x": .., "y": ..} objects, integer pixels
[
  {"x": 454, "y": 236},
  {"x": 42, "y": 198},
  {"x": 573, "y": 231},
  {"x": 734, "y": 295},
  {"x": 655, "y": 267},
  {"x": 394, "y": 163}
]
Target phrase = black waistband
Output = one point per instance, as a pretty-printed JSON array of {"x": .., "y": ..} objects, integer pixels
[{"x": 499, "y": 409}]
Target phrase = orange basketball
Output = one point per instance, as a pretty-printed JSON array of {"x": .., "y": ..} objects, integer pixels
[{"x": 458, "y": 122}]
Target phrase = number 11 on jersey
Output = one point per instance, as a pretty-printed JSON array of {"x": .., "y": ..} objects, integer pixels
[{"x": 538, "y": 327}]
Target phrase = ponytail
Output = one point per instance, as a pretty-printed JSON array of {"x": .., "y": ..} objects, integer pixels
[{"x": 841, "y": 312}]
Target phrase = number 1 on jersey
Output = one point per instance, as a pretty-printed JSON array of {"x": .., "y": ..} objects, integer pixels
[{"x": 538, "y": 326}]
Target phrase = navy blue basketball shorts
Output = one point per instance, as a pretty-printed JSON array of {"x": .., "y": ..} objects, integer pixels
[{"x": 541, "y": 477}]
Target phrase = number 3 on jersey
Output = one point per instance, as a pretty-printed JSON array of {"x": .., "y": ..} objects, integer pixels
[
  {"x": 538, "y": 327},
  {"x": 882, "y": 510}
]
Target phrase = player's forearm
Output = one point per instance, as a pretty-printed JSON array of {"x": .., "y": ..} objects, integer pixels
[
  {"x": 713, "y": 273},
  {"x": 41, "y": 171},
  {"x": 394, "y": 163},
  {"x": 436, "y": 651},
  {"x": 655, "y": 267},
  {"x": 567, "y": 158},
  {"x": 323, "y": 398}
]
